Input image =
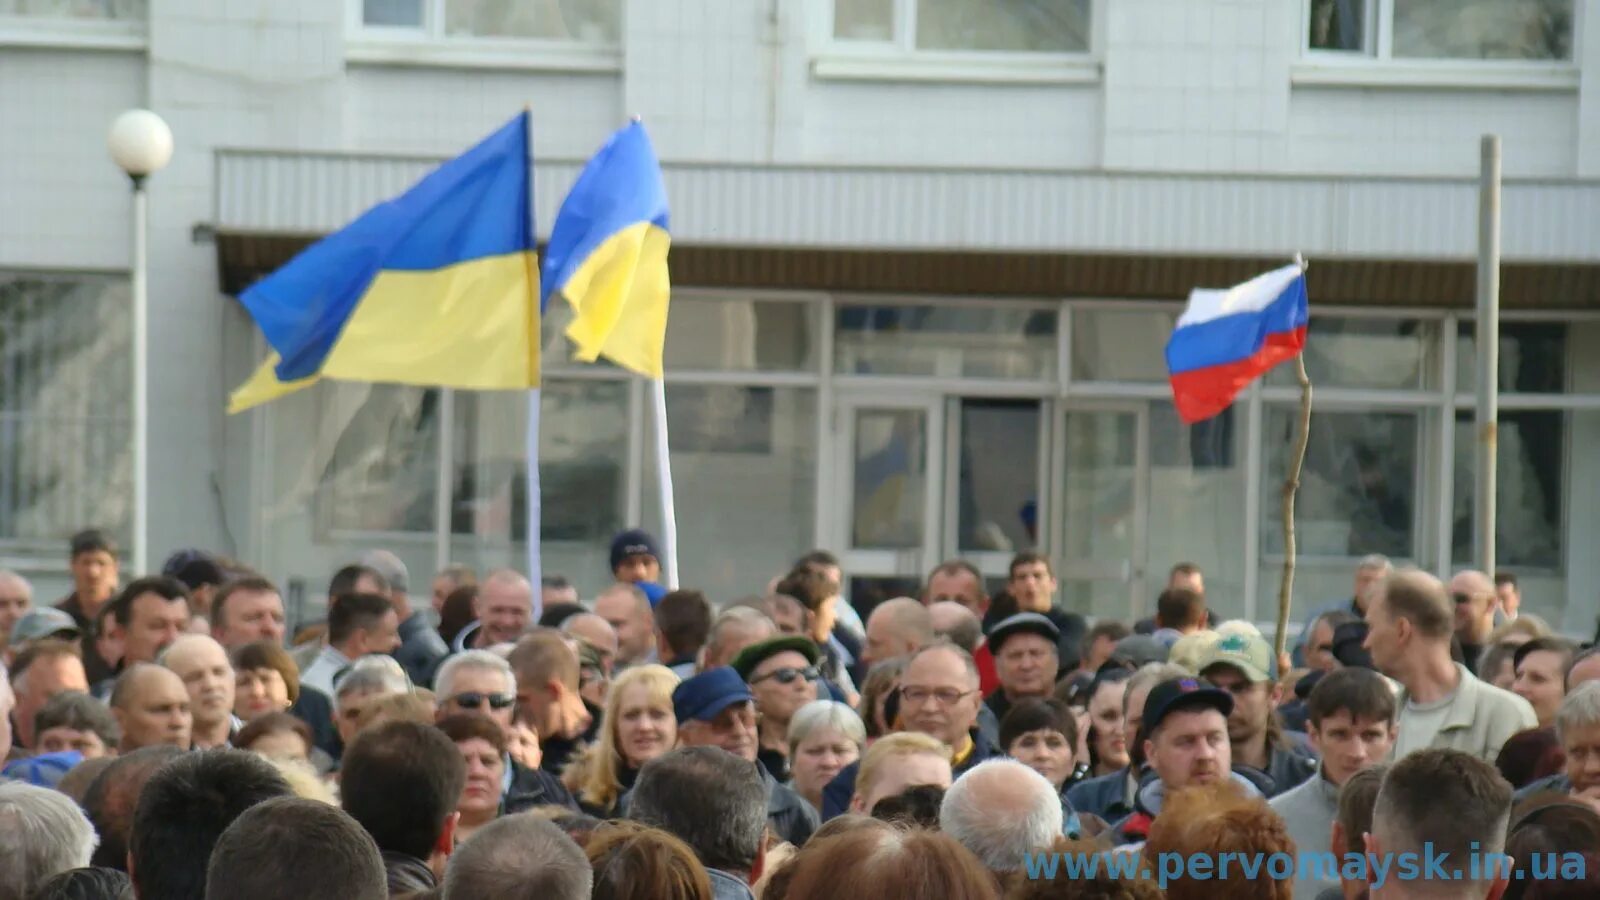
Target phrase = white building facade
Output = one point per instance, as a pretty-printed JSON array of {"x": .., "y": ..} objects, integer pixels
[{"x": 926, "y": 256}]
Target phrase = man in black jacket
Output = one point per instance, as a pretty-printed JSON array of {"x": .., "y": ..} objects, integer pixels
[
  {"x": 938, "y": 696},
  {"x": 401, "y": 781},
  {"x": 716, "y": 709}
]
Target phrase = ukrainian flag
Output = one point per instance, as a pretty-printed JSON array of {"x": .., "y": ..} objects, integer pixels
[
  {"x": 438, "y": 287},
  {"x": 608, "y": 255}
]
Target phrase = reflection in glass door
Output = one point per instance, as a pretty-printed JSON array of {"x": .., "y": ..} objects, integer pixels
[
  {"x": 889, "y": 457},
  {"x": 1101, "y": 455}
]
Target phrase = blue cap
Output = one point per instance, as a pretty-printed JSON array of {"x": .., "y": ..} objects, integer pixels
[
  {"x": 633, "y": 542},
  {"x": 706, "y": 695},
  {"x": 652, "y": 592},
  {"x": 45, "y": 770}
]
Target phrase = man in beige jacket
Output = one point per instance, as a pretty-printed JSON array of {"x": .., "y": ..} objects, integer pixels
[{"x": 1442, "y": 705}]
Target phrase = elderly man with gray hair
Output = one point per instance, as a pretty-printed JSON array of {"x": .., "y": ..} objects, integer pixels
[
  {"x": 480, "y": 682},
  {"x": 421, "y": 648},
  {"x": 366, "y": 678},
  {"x": 1002, "y": 811},
  {"x": 42, "y": 833}
]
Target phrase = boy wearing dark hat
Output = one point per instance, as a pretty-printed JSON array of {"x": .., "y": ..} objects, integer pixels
[{"x": 635, "y": 557}]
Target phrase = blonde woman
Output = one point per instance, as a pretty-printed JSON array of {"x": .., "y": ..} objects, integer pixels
[{"x": 639, "y": 726}]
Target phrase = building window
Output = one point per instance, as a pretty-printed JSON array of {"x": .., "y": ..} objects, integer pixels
[
  {"x": 569, "y": 21},
  {"x": 977, "y": 341},
  {"x": 77, "y": 10},
  {"x": 1443, "y": 29},
  {"x": 965, "y": 26},
  {"x": 744, "y": 462},
  {"x": 379, "y": 472},
  {"x": 65, "y": 434}
]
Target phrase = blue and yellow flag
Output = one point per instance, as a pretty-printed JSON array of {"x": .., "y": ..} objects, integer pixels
[
  {"x": 438, "y": 287},
  {"x": 608, "y": 255}
]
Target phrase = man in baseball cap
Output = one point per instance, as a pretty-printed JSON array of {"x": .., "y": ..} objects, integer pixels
[
  {"x": 1241, "y": 664},
  {"x": 39, "y": 623},
  {"x": 1185, "y": 735},
  {"x": 716, "y": 708}
]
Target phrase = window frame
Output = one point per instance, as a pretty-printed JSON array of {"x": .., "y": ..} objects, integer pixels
[
  {"x": 900, "y": 60},
  {"x": 84, "y": 34},
  {"x": 1377, "y": 66},
  {"x": 429, "y": 45}
]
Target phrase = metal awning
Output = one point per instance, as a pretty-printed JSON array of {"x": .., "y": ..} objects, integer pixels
[{"x": 1372, "y": 241}]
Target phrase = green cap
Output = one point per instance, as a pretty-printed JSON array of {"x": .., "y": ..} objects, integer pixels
[
  {"x": 755, "y": 654},
  {"x": 1250, "y": 654}
]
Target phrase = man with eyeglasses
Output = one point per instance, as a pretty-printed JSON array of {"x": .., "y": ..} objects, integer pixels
[
  {"x": 717, "y": 709},
  {"x": 782, "y": 674},
  {"x": 480, "y": 683},
  {"x": 1475, "y": 605},
  {"x": 939, "y": 697}
]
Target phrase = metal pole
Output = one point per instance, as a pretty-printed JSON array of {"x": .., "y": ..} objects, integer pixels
[
  {"x": 141, "y": 388},
  {"x": 1488, "y": 336},
  {"x": 444, "y": 481},
  {"x": 669, "y": 514}
]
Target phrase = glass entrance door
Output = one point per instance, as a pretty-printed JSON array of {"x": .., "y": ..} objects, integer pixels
[
  {"x": 889, "y": 454},
  {"x": 1100, "y": 460}
]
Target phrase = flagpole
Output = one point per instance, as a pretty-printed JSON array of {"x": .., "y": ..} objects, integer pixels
[
  {"x": 1291, "y": 484},
  {"x": 669, "y": 515},
  {"x": 535, "y": 561}
]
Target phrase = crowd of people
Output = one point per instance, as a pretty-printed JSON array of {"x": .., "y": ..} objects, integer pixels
[{"x": 169, "y": 738}]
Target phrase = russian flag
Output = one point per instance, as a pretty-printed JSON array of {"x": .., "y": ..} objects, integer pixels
[{"x": 1228, "y": 338}]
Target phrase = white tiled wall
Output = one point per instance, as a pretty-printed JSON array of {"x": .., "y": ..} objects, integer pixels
[{"x": 1186, "y": 86}]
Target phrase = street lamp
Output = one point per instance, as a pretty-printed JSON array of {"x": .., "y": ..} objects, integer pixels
[{"x": 141, "y": 145}]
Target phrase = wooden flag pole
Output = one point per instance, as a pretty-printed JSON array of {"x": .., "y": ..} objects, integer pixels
[{"x": 1291, "y": 484}]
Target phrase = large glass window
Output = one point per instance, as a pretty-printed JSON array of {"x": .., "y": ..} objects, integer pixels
[
  {"x": 1533, "y": 357},
  {"x": 1197, "y": 481},
  {"x": 349, "y": 467},
  {"x": 1358, "y": 487},
  {"x": 78, "y": 10},
  {"x": 1007, "y": 26},
  {"x": 1121, "y": 344},
  {"x": 583, "y": 454},
  {"x": 713, "y": 333},
  {"x": 951, "y": 341},
  {"x": 1530, "y": 488},
  {"x": 1397, "y": 354},
  {"x": 577, "y": 21},
  {"x": 998, "y": 476},
  {"x": 744, "y": 483},
  {"x": 1445, "y": 29},
  {"x": 65, "y": 452}
]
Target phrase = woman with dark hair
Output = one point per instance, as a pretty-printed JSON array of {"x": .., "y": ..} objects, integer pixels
[
  {"x": 1107, "y": 742},
  {"x": 265, "y": 680},
  {"x": 1548, "y": 830},
  {"x": 1042, "y": 735},
  {"x": 455, "y": 614},
  {"x": 276, "y": 736}
]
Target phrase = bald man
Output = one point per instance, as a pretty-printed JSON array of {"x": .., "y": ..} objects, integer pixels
[
  {"x": 626, "y": 608},
  {"x": 597, "y": 633},
  {"x": 897, "y": 627},
  {"x": 734, "y": 629},
  {"x": 202, "y": 664},
  {"x": 1475, "y": 601},
  {"x": 151, "y": 706},
  {"x": 16, "y": 598},
  {"x": 504, "y": 607}
]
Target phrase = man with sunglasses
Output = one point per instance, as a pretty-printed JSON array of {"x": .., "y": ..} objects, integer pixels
[
  {"x": 782, "y": 675},
  {"x": 717, "y": 709},
  {"x": 1475, "y": 605},
  {"x": 480, "y": 683}
]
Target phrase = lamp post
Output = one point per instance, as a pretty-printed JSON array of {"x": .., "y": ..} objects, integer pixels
[{"x": 141, "y": 145}]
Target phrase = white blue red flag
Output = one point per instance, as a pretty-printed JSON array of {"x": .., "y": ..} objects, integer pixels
[{"x": 1229, "y": 338}]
